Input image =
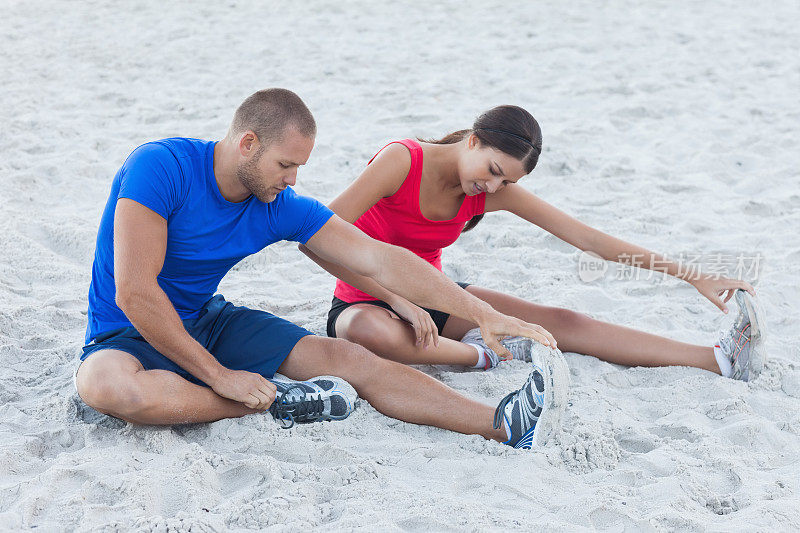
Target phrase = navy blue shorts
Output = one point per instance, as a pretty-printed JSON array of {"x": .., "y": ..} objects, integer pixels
[{"x": 239, "y": 338}]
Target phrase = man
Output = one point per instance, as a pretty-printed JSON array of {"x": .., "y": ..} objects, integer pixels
[{"x": 161, "y": 350}]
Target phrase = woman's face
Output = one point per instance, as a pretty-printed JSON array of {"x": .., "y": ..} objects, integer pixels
[{"x": 483, "y": 169}]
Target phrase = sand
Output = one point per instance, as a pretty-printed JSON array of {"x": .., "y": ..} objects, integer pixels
[{"x": 674, "y": 125}]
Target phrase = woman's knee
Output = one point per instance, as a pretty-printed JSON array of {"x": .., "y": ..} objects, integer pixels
[
  {"x": 374, "y": 329},
  {"x": 566, "y": 321}
]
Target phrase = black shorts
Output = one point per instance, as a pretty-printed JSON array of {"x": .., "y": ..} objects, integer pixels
[{"x": 337, "y": 306}]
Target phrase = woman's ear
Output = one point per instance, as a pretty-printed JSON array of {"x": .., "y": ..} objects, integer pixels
[{"x": 473, "y": 141}]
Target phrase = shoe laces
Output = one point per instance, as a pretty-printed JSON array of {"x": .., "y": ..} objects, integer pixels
[
  {"x": 727, "y": 338},
  {"x": 288, "y": 410}
]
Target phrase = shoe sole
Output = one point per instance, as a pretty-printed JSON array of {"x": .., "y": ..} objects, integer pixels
[
  {"x": 347, "y": 391},
  {"x": 758, "y": 355},
  {"x": 556, "y": 390}
]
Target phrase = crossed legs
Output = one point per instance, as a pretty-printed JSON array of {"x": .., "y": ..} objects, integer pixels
[{"x": 115, "y": 383}]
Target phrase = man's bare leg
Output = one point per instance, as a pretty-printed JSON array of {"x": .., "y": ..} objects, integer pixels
[
  {"x": 115, "y": 383},
  {"x": 394, "y": 389}
]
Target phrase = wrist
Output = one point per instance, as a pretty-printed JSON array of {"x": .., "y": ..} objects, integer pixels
[
  {"x": 480, "y": 311},
  {"x": 212, "y": 374},
  {"x": 394, "y": 299},
  {"x": 692, "y": 278}
]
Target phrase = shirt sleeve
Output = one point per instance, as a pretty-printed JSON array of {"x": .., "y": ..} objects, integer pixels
[
  {"x": 152, "y": 177},
  {"x": 297, "y": 218}
]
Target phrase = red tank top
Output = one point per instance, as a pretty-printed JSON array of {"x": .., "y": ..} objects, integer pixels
[{"x": 398, "y": 220}]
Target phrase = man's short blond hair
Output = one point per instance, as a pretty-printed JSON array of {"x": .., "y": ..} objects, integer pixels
[{"x": 269, "y": 112}]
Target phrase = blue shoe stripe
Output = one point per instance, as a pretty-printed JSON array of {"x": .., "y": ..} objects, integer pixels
[{"x": 527, "y": 440}]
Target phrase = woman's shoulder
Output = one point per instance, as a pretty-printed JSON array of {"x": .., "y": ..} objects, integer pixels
[
  {"x": 397, "y": 153},
  {"x": 392, "y": 165}
]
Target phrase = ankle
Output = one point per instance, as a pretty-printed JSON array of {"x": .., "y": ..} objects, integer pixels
[{"x": 721, "y": 362}]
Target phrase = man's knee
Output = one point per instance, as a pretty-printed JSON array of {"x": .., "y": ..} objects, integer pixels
[
  {"x": 347, "y": 353},
  {"x": 106, "y": 382},
  {"x": 356, "y": 363}
]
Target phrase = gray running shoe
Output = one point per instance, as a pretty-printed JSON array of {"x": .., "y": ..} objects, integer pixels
[
  {"x": 319, "y": 398},
  {"x": 743, "y": 343},
  {"x": 533, "y": 413},
  {"x": 519, "y": 347}
]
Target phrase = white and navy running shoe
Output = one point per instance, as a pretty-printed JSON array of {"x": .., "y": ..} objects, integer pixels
[
  {"x": 533, "y": 413},
  {"x": 743, "y": 343},
  {"x": 519, "y": 347},
  {"x": 317, "y": 399}
]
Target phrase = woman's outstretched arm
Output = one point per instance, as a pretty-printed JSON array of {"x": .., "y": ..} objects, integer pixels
[{"x": 515, "y": 199}]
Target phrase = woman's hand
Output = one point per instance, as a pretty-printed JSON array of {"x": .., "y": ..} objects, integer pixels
[
  {"x": 425, "y": 330},
  {"x": 714, "y": 287}
]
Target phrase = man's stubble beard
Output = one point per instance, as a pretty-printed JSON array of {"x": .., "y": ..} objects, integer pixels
[{"x": 247, "y": 174}]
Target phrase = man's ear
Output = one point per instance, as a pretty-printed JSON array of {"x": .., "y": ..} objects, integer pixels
[{"x": 248, "y": 143}]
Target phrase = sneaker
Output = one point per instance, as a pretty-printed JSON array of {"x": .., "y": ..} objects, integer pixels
[
  {"x": 320, "y": 398},
  {"x": 743, "y": 343},
  {"x": 519, "y": 347},
  {"x": 533, "y": 413}
]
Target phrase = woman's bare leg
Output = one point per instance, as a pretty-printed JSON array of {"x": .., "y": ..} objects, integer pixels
[
  {"x": 576, "y": 332},
  {"x": 382, "y": 332}
]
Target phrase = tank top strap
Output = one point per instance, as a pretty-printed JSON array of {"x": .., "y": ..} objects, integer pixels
[
  {"x": 478, "y": 204},
  {"x": 410, "y": 185}
]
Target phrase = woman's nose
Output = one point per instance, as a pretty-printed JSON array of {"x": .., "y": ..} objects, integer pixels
[{"x": 493, "y": 185}]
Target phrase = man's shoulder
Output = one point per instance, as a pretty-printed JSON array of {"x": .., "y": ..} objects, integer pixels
[
  {"x": 170, "y": 155},
  {"x": 179, "y": 147},
  {"x": 289, "y": 199},
  {"x": 288, "y": 205}
]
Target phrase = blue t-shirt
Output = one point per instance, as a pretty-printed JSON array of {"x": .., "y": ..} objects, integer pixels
[{"x": 206, "y": 234}]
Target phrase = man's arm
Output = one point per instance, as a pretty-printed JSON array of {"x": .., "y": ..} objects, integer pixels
[
  {"x": 362, "y": 283},
  {"x": 140, "y": 243},
  {"x": 402, "y": 272}
]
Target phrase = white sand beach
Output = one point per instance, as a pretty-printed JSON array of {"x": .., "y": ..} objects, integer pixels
[{"x": 672, "y": 125}]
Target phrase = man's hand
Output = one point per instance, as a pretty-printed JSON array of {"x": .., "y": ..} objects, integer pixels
[
  {"x": 495, "y": 326},
  {"x": 251, "y": 389},
  {"x": 404, "y": 274}
]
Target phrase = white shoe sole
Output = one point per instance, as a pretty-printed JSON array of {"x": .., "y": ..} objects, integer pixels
[
  {"x": 347, "y": 391},
  {"x": 556, "y": 390},
  {"x": 758, "y": 354}
]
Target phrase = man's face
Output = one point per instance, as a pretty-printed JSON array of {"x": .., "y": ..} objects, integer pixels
[{"x": 273, "y": 168}]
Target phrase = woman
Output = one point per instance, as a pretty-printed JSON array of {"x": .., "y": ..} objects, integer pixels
[{"x": 422, "y": 195}]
